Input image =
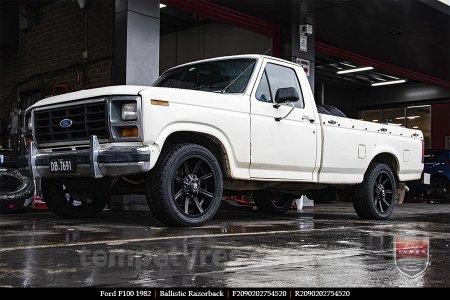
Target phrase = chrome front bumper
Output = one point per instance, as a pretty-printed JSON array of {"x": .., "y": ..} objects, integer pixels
[{"x": 95, "y": 162}]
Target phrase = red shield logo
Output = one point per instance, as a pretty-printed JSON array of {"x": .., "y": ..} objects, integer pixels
[{"x": 412, "y": 255}]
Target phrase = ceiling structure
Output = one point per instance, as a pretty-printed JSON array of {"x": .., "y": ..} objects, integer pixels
[
  {"x": 410, "y": 34},
  {"x": 173, "y": 20},
  {"x": 329, "y": 67}
]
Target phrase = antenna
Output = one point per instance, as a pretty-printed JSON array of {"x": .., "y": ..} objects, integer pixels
[{"x": 225, "y": 88}]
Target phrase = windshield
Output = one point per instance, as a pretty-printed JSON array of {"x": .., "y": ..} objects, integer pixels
[{"x": 220, "y": 76}]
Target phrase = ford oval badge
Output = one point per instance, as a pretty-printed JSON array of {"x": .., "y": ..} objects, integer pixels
[{"x": 65, "y": 123}]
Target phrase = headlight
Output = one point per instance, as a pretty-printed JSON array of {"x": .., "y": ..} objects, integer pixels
[
  {"x": 30, "y": 124},
  {"x": 129, "y": 111}
]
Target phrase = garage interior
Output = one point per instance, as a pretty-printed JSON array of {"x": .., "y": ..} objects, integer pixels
[
  {"x": 346, "y": 34},
  {"x": 58, "y": 46}
]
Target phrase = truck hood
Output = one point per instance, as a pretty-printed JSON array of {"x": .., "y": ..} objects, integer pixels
[{"x": 92, "y": 93}]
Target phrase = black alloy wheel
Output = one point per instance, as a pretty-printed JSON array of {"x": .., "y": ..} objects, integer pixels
[
  {"x": 382, "y": 192},
  {"x": 376, "y": 196},
  {"x": 193, "y": 186},
  {"x": 59, "y": 200},
  {"x": 185, "y": 188}
]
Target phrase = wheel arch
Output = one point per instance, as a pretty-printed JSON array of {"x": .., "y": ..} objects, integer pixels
[
  {"x": 390, "y": 160},
  {"x": 208, "y": 141}
]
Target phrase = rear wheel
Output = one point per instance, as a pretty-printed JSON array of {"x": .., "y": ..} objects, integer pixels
[
  {"x": 272, "y": 202},
  {"x": 186, "y": 187},
  {"x": 58, "y": 200},
  {"x": 375, "y": 197}
]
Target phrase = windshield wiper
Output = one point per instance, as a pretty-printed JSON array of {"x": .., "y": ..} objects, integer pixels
[
  {"x": 237, "y": 77},
  {"x": 211, "y": 88}
]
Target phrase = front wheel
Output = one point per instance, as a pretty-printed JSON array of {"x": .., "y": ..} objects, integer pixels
[
  {"x": 272, "y": 202},
  {"x": 375, "y": 197},
  {"x": 58, "y": 200},
  {"x": 186, "y": 187}
]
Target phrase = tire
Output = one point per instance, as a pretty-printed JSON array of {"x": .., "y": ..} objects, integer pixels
[
  {"x": 272, "y": 202},
  {"x": 375, "y": 198},
  {"x": 16, "y": 191},
  {"x": 186, "y": 187},
  {"x": 322, "y": 110},
  {"x": 59, "y": 201},
  {"x": 334, "y": 111}
]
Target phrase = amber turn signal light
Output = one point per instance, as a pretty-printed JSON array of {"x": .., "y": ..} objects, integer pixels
[{"x": 129, "y": 132}]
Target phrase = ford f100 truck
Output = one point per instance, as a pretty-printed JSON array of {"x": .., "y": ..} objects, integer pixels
[{"x": 211, "y": 128}]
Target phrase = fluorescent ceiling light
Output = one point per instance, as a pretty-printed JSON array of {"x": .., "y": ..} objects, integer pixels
[
  {"x": 393, "y": 77},
  {"x": 388, "y": 82},
  {"x": 348, "y": 65},
  {"x": 415, "y": 127},
  {"x": 374, "y": 120},
  {"x": 354, "y": 70},
  {"x": 418, "y": 106},
  {"x": 162, "y": 5},
  {"x": 447, "y": 2},
  {"x": 410, "y": 117}
]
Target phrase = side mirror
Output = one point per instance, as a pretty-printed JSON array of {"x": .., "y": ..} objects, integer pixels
[{"x": 284, "y": 95}]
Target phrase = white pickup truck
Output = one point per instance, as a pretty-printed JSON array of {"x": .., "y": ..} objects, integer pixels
[{"x": 211, "y": 128}]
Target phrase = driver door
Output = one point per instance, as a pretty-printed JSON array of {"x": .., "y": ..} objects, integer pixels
[{"x": 283, "y": 149}]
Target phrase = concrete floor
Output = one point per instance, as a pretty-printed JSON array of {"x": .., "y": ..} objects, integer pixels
[{"x": 325, "y": 246}]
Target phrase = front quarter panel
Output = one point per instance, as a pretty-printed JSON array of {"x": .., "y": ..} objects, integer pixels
[{"x": 223, "y": 116}]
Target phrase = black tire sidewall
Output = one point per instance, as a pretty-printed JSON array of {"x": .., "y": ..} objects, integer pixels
[
  {"x": 264, "y": 202},
  {"x": 17, "y": 198},
  {"x": 25, "y": 188},
  {"x": 54, "y": 198},
  {"x": 367, "y": 191},
  {"x": 172, "y": 160},
  {"x": 322, "y": 110},
  {"x": 334, "y": 111}
]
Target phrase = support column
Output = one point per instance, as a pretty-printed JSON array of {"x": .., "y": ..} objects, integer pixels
[
  {"x": 136, "y": 42},
  {"x": 290, "y": 44}
]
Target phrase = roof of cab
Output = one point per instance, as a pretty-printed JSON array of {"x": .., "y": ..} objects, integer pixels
[{"x": 253, "y": 56}]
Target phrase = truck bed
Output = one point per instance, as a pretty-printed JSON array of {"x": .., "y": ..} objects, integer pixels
[{"x": 349, "y": 145}]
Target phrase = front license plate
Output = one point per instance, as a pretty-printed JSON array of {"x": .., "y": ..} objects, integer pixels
[{"x": 62, "y": 165}]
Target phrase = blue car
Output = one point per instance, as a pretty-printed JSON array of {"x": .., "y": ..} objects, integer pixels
[{"x": 437, "y": 164}]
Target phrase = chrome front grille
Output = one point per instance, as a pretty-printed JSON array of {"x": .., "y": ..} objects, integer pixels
[{"x": 88, "y": 118}]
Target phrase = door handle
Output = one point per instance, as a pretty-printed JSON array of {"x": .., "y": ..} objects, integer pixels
[
  {"x": 331, "y": 122},
  {"x": 308, "y": 118}
]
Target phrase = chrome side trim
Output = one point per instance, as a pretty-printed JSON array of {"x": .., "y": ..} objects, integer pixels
[
  {"x": 32, "y": 160},
  {"x": 93, "y": 153}
]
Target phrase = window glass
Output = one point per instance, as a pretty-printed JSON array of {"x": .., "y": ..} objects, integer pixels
[
  {"x": 281, "y": 77},
  {"x": 432, "y": 156},
  {"x": 220, "y": 76},
  {"x": 371, "y": 116},
  {"x": 418, "y": 117},
  {"x": 263, "y": 91},
  {"x": 394, "y": 116},
  {"x": 414, "y": 117}
]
